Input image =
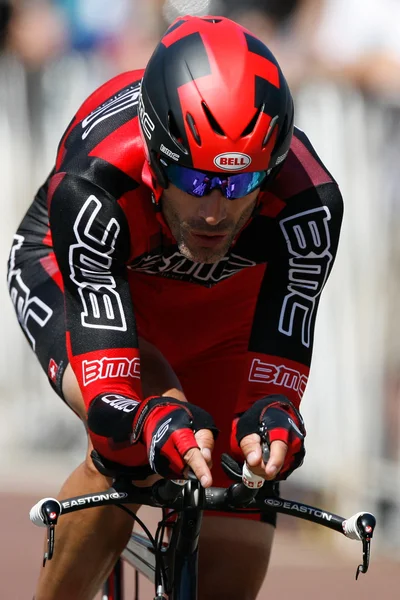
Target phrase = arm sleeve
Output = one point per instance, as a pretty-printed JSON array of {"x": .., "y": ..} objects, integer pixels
[
  {"x": 92, "y": 244},
  {"x": 302, "y": 247}
]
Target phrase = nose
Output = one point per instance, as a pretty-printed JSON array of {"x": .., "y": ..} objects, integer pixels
[{"x": 213, "y": 208}]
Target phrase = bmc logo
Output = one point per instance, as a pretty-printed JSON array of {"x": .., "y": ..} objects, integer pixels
[
  {"x": 109, "y": 367},
  {"x": 169, "y": 152},
  {"x": 308, "y": 239},
  {"x": 90, "y": 262},
  {"x": 289, "y": 378},
  {"x": 123, "y": 100},
  {"x": 120, "y": 402},
  {"x": 232, "y": 161},
  {"x": 33, "y": 314},
  {"x": 145, "y": 120},
  {"x": 177, "y": 266}
]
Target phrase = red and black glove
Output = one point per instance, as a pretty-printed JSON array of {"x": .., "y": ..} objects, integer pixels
[
  {"x": 273, "y": 418},
  {"x": 167, "y": 427},
  {"x": 164, "y": 427}
]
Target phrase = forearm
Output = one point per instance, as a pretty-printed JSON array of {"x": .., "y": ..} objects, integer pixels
[{"x": 157, "y": 376}]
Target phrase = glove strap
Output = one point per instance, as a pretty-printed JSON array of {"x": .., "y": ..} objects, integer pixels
[
  {"x": 252, "y": 420},
  {"x": 199, "y": 418}
]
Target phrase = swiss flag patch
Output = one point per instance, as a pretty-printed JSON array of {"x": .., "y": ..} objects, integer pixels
[{"x": 52, "y": 370}]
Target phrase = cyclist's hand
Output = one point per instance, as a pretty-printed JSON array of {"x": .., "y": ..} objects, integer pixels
[
  {"x": 252, "y": 451},
  {"x": 199, "y": 459},
  {"x": 176, "y": 435},
  {"x": 205, "y": 441},
  {"x": 275, "y": 420}
]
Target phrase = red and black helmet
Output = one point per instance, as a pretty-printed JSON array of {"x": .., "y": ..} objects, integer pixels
[{"x": 213, "y": 98}]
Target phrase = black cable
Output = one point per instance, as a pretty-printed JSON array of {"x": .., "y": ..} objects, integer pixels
[
  {"x": 159, "y": 537},
  {"x": 160, "y": 574},
  {"x": 157, "y": 540},
  {"x": 136, "y": 585},
  {"x": 171, "y": 513},
  {"x": 140, "y": 522},
  {"x": 160, "y": 566}
]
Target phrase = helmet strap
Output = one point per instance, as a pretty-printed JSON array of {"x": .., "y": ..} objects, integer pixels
[
  {"x": 158, "y": 170},
  {"x": 149, "y": 179}
]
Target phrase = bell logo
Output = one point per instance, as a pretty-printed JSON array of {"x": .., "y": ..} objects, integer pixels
[{"x": 232, "y": 161}]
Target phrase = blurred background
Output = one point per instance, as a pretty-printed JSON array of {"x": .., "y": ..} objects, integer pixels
[{"x": 342, "y": 61}]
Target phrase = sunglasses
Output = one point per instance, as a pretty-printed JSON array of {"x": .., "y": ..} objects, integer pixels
[{"x": 200, "y": 183}]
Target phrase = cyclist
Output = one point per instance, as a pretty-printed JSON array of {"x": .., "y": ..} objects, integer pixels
[{"x": 167, "y": 275}]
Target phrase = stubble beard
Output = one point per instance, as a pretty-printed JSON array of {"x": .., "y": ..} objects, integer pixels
[{"x": 181, "y": 230}]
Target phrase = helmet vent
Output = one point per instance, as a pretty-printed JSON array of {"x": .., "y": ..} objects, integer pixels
[
  {"x": 193, "y": 128},
  {"x": 271, "y": 128},
  {"x": 212, "y": 20},
  {"x": 282, "y": 132},
  {"x": 174, "y": 132},
  {"x": 253, "y": 122},
  {"x": 211, "y": 119}
]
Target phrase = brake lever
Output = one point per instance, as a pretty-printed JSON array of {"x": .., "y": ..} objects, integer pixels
[
  {"x": 50, "y": 512},
  {"x": 265, "y": 443},
  {"x": 366, "y": 556},
  {"x": 48, "y": 555},
  {"x": 265, "y": 452},
  {"x": 366, "y": 524}
]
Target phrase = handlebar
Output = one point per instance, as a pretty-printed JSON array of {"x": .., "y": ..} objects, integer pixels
[{"x": 173, "y": 495}]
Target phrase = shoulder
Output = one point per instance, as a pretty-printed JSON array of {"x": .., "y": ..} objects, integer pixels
[
  {"x": 102, "y": 143},
  {"x": 303, "y": 168},
  {"x": 304, "y": 180},
  {"x": 110, "y": 91}
]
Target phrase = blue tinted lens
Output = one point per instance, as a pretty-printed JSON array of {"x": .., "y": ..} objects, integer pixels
[
  {"x": 237, "y": 186},
  {"x": 198, "y": 183}
]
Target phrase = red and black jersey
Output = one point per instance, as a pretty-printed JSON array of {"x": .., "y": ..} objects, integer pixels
[{"x": 109, "y": 249}]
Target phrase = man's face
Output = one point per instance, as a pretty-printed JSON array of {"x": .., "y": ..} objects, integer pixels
[{"x": 205, "y": 228}]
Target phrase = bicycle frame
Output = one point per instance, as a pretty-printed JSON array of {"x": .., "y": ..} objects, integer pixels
[{"x": 180, "y": 555}]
